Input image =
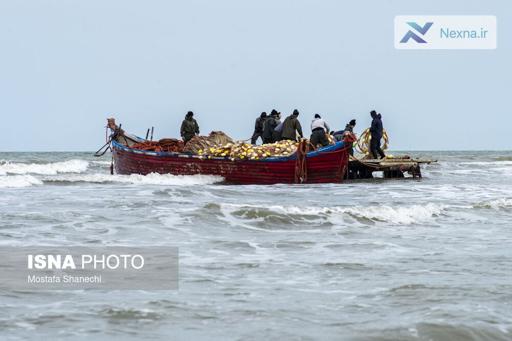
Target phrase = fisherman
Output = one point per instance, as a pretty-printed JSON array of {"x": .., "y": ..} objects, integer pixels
[
  {"x": 349, "y": 136},
  {"x": 189, "y": 127},
  {"x": 258, "y": 128},
  {"x": 351, "y": 125},
  {"x": 376, "y": 131},
  {"x": 278, "y": 130},
  {"x": 319, "y": 128},
  {"x": 291, "y": 126},
  {"x": 349, "y": 128},
  {"x": 269, "y": 126}
]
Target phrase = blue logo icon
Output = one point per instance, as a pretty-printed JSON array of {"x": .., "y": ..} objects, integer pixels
[{"x": 420, "y": 29}]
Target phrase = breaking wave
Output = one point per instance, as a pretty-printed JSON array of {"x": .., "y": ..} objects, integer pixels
[
  {"x": 400, "y": 215},
  {"x": 486, "y": 163},
  {"x": 137, "y": 179},
  {"x": 71, "y": 166},
  {"x": 17, "y": 181},
  {"x": 496, "y": 204}
]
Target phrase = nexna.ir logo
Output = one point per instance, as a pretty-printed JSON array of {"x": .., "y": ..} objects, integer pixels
[
  {"x": 419, "y": 29},
  {"x": 445, "y": 32}
]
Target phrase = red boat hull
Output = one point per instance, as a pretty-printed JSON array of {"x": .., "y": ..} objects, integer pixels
[{"x": 327, "y": 166}]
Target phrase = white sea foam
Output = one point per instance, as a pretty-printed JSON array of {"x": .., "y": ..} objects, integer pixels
[
  {"x": 498, "y": 203},
  {"x": 137, "y": 179},
  {"x": 487, "y": 163},
  {"x": 382, "y": 213},
  {"x": 17, "y": 181},
  {"x": 70, "y": 166},
  {"x": 104, "y": 163},
  {"x": 399, "y": 214}
]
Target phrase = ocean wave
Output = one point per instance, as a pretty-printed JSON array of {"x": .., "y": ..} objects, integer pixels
[
  {"x": 439, "y": 331},
  {"x": 487, "y": 163},
  {"x": 17, "y": 181},
  {"x": 503, "y": 158},
  {"x": 101, "y": 162},
  {"x": 137, "y": 179},
  {"x": 496, "y": 204},
  {"x": 400, "y": 215},
  {"x": 53, "y": 168}
]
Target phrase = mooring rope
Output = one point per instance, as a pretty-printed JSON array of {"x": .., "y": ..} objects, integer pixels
[{"x": 300, "y": 163}]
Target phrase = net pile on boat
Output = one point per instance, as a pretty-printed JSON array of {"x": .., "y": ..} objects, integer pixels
[
  {"x": 201, "y": 143},
  {"x": 163, "y": 145},
  {"x": 241, "y": 150},
  {"x": 218, "y": 144}
]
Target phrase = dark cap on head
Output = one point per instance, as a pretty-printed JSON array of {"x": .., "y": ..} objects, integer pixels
[
  {"x": 317, "y": 116},
  {"x": 352, "y": 122},
  {"x": 295, "y": 112},
  {"x": 190, "y": 114},
  {"x": 273, "y": 112},
  {"x": 373, "y": 113},
  {"x": 263, "y": 115}
]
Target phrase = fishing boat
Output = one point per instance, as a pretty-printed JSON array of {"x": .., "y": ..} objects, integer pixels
[{"x": 324, "y": 165}]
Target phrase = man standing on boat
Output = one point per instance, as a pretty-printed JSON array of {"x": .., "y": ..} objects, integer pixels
[
  {"x": 278, "y": 130},
  {"x": 376, "y": 131},
  {"x": 268, "y": 128},
  {"x": 258, "y": 128},
  {"x": 291, "y": 126},
  {"x": 318, "y": 130},
  {"x": 189, "y": 127},
  {"x": 349, "y": 128}
]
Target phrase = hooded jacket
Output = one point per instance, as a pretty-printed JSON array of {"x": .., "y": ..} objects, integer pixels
[
  {"x": 290, "y": 125},
  {"x": 269, "y": 126},
  {"x": 376, "y": 128},
  {"x": 258, "y": 125},
  {"x": 189, "y": 128}
]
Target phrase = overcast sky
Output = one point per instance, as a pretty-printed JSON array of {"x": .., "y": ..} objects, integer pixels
[{"x": 65, "y": 66}]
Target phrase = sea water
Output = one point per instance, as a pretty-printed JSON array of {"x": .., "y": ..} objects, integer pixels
[{"x": 426, "y": 259}]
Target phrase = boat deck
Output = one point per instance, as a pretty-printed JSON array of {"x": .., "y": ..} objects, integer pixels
[{"x": 395, "y": 167}]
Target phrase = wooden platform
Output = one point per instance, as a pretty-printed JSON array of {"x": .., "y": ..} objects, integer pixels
[{"x": 395, "y": 167}]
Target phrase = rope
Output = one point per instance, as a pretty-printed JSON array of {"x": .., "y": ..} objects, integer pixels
[
  {"x": 363, "y": 143},
  {"x": 300, "y": 163}
]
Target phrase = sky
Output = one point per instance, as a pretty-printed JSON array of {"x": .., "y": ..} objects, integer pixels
[{"x": 65, "y": 66}]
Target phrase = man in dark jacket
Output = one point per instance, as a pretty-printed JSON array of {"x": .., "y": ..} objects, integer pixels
[
  {"x": 258, "y": 128},
  {"x": 338, "y": 135},
  {"x": 269, "y": 126},
  {"x": 291, "y": 126},
  {"x": 350, "y": 126},
  {"x": 189, "y": 127},
  {"x": 349, "y": 129},
  {"x": 376, "y": 131}
]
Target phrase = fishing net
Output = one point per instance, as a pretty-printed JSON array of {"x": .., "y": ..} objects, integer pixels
[
  {"x": 215, "y": 139},
  {"x": 243, "y": 150},
  {"x": 163, "y": 145}
]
